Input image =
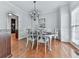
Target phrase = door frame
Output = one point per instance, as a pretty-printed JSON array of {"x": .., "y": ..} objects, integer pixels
[{"x": 13, "y": 16}]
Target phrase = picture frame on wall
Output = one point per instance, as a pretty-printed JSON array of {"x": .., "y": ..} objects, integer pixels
[{"x": 42, "y": 23}]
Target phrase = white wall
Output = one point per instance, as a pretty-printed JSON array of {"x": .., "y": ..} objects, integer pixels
[
  {"x": 65, "y": 23},
  {"x": 51, "y": 21},
  {"x": 24, "y": 21}
]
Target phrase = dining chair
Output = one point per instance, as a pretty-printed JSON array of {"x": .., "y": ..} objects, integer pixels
[
  {"x": 42, "y": 39},
  {"x": 30, "y": 37},
  {"x": 55, "y": 33}
]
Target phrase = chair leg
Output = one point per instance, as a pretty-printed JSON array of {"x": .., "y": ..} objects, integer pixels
[
  {"x": 55, "y": 37},
  {"x": 27, "y": 43},
  {"x": 45, "y": 48},
  {"x": 32, "y": 44},
  {"x": 48, "y": 46},
  {"x": 37, "y": 43},
  {"x": 37, "y": 46}
]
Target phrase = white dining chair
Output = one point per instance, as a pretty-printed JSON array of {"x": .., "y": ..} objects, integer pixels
[
  {"x": 30, "y": 37},
  {"x": 55, "y": 33},
  {"x": 42, "y": 39}
]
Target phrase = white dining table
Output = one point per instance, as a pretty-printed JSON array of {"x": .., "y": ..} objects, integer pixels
[{"x": 50, "y": 39}]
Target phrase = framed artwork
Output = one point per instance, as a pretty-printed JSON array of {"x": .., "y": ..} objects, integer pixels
[{"x": 42, "y": 23}]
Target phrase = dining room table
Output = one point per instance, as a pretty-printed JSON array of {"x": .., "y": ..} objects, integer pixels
[{"x": 49, "y": 35}]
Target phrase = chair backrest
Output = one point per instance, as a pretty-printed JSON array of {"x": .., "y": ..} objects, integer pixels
[
  {"x": 42, "y": 37},
  {"x": 56, "y": 32},
  {"x": 30, "y": 33}
]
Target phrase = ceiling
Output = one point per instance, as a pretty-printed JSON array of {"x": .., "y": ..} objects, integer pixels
[{"x": 43, "y": 6}]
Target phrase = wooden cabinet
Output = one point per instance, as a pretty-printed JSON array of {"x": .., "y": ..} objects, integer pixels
[{"x": 5, "y": 45}]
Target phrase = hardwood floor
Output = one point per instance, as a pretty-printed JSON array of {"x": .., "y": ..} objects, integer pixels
[
  {"x": 59, "y": 50},
  {"x": 5, "y": 44}
]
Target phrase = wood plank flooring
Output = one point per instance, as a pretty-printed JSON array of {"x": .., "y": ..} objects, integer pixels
[{"x": 59, "y": 50}]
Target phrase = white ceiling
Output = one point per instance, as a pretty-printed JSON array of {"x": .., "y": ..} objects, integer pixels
[{"x": 43, "y": 6}]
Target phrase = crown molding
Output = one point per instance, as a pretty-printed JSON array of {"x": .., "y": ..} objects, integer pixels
[{"x": 22, "y": 10}]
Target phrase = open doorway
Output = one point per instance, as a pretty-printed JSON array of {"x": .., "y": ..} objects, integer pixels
[{"x": 14, "y": 27}]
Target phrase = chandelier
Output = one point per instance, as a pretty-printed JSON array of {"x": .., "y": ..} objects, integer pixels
[{"x": 35, "y": 12}]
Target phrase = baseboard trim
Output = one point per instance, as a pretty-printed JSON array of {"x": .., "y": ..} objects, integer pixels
[
  {"x": 72, "y": 43},
  {"x": 23, "y": 38}
]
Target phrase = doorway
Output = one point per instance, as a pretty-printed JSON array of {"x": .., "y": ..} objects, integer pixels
[{"x": 14, "y": 27}]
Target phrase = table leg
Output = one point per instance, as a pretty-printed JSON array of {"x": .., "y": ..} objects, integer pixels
[{"x": 50, "y": 45}]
